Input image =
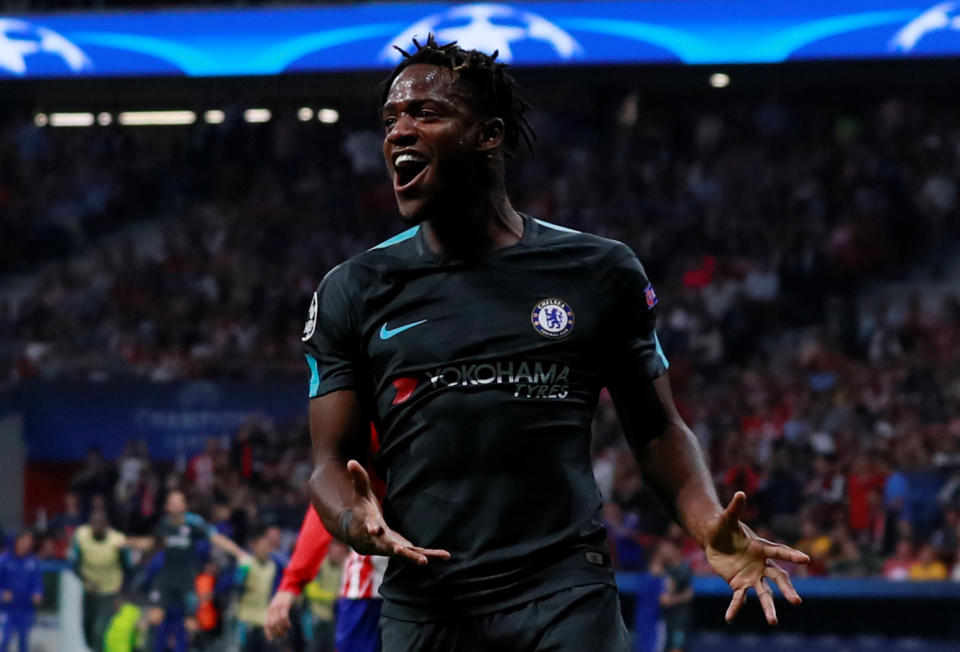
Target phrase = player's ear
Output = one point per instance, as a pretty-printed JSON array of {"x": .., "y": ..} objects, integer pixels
[{"x": 491, "y": 135}]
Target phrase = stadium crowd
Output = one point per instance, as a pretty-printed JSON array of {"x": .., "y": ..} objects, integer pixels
[
  {"x": 745, "y": 206},
  {"x": 760, "y": 225}
]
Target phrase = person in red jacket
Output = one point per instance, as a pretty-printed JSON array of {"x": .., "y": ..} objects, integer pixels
[{"x": 358, "y": 608}]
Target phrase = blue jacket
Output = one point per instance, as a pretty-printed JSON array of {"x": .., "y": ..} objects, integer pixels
[{"x": 22, "y": 577}]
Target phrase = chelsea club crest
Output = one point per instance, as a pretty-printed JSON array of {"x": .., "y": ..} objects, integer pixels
[{"x": 552, "y": 318}]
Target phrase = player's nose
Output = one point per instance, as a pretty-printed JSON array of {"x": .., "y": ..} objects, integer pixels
[{"x": 403, "y": 131}]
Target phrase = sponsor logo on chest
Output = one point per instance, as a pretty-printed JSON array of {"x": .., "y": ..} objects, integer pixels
[
  {"x": 179, "y": 539},
  {"x": 529, "y": 379}
]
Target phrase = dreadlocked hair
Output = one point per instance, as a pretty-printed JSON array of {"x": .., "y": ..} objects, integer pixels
[{"x": 494, "y": 90}]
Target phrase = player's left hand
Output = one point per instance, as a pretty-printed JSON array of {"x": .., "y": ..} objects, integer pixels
[{"x": 745, "y": 560}]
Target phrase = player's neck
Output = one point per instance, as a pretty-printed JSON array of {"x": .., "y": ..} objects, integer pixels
[{"x": 474, "y": 228}]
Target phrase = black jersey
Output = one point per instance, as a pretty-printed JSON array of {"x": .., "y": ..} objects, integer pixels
[
  {"x": 482, "y": 379},
  {"x": 182, "y": 559}
]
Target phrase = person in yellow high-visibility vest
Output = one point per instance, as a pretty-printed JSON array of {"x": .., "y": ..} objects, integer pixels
[
  {"x": 257, "y": 579},
  {"x": 321, "y": 595},
  {"x": 99, "y": 556},
  {"x": 126, "y": 629}
]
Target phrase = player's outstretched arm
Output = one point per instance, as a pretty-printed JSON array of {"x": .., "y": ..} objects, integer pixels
[
  {"x": 143, "y": 544},
  {"x": 340, "y": 488},
  {"x": 229, "y": 545},
  {"x": 674, "y": 466}
]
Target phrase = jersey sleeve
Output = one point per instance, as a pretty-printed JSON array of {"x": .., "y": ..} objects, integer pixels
[
  {"x": 310, "y": 551},
  {"x": 202, "y": 529},
  {"x": 631, "y": 348},
  {"x": 329, "y": 339}
]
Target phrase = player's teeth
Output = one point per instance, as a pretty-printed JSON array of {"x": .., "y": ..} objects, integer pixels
[{"x": 407, "y": 158}]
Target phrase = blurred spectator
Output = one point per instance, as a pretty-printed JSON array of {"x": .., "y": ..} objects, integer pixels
[
  {"x": 898, "y": 567},
  {"x": 321, "y": 595},
  {"x": 131, "y": 465},
  {"x": 96, "y": 478},
  {"x": 21, "y": 591},
  {"x": 817, "y": 545},
  {"x": 207, "y": 614},
  {"x": 946, "y": 538},
  {"x": 257, "y": 579},
  {"x": 677, "y": 596},
  {"x": 200, "y": 470},
  {"x": 863, "y": 479},
  {"x": 927, "y": 566},
  {"x": 62, "y": 526},
  {"x": 99, "y": 557},
  {"x": 849, "y": 560}
]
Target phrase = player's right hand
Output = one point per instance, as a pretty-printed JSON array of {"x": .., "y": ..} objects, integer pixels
[
  {"x": 6, "y": 596},
  {"x": 367, "y": 531},
  {"x": 278, "y": 615}
]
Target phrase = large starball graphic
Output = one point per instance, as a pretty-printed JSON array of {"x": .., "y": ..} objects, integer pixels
[
  {"x": 489, "y": 28},
  {"x": 935, "y": 30},
  {"x": 28, "y": 48}
]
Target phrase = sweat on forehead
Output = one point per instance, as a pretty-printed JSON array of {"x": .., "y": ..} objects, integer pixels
[{"x": 424, "y": 81}]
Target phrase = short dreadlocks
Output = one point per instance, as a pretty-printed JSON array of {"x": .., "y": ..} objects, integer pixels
[{"x": 494, "y": 90}]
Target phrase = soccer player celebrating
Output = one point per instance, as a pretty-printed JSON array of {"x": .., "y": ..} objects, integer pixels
[
  {"x": 477, "y": 342},
  {"x": 173, "y": 597}
]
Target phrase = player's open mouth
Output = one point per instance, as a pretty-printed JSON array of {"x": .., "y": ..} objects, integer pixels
[{"x": 408, "y": 168}]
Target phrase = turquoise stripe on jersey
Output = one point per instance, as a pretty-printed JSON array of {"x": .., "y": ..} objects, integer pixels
[
  {"x": 556, "y": 227},
  {"x": 663, "y": 358},
  {"x": 314, "y": 375},
  {"x": 400, "y": 237}
]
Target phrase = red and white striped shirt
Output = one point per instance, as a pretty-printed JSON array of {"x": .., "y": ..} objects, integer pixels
[{"x": 362, "y": 576}]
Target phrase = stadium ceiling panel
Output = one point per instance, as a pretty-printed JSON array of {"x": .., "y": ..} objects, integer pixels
[{"x": 210, "y": 43}]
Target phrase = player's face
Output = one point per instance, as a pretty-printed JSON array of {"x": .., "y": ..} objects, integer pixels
[
  {"x": 176, "y": 504},
  {"x": 431, "y": 133}
]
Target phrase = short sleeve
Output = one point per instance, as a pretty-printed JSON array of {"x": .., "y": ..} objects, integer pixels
[
  {"x": 201, "y": 528},
  {"x": 630, "y": 343},
  {"x": 328, "y": 336}
]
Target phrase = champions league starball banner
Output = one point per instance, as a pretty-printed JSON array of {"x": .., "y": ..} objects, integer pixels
[{"x": 327, "y": 38}]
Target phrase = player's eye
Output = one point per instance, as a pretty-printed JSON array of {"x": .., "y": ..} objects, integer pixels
[{"x": 389, "y": 122}]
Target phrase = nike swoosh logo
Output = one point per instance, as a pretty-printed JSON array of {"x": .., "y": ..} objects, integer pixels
[{"x": 387, "y": 333}]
